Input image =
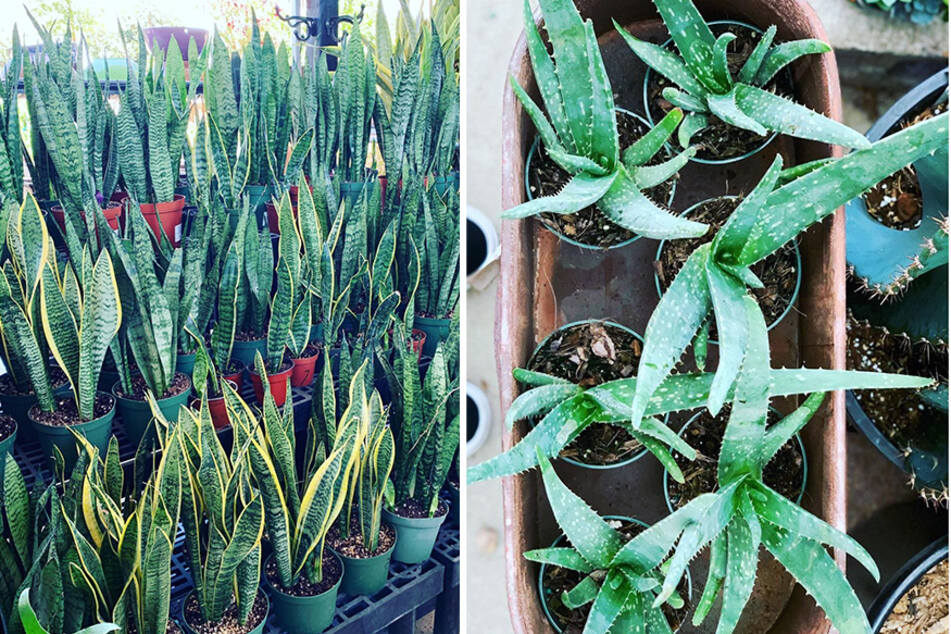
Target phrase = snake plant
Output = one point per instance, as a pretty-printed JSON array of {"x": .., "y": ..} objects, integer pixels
[
  {"x": 31, "y": 623},
  {"x": 437, "y": 237},
  {"x": 299, "y": 512},
  {"x": 223, "y": 518},
  {"x": 363, "y": 427},
  {"x": 427, "y": 436},
  {"x": 580, "y": 132},
  {"x": 354, "y": 83},
  {"x": 705, "y": 87},
  {"x": 11, "y": 145},
  {"x": 622, "y": 595}
]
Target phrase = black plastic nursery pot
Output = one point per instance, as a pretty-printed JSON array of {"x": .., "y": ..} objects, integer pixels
[
  {"x": 305, "y": 614},
  {"x": 96, "y": 431},
  {"x": 415, "y": 536},
  {"x": 365, "y": 575},
  {"x": 436, "y": 330},
  {"x": 136, "y": 413},
  {"x": 258, "y": 629},
  {"x": 904, "y": 580}
]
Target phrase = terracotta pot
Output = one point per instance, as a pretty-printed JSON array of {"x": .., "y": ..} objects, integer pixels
[
  {"x": 112, "y": 213},
  {"x": 277, "y": 384},
  {"x": 540, "y": 276},
  {"x": 169, "y": 214},
  {"x": 302, "y": 374}
]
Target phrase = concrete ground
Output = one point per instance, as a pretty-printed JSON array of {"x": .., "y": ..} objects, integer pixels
[{"x": 873, "y": 52}]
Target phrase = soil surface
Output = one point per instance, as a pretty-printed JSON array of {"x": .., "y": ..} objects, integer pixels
[
  {"x": 591, "y": 354},
  {"x": 777, "y": 272},
  {"x": 901, "y": 415},
  {"x": 558, "y": 580},
  {"x": 286, "y": 365},
  {"x": 171, "y": 627},
  {"x": 7, "y": 426},
  {"x": 310, "y": 351},
  {"x": 353, "y": 546},
  {"x": 720, "y": 140},
  {"x": 332, "y": 571},
  {"x": 590, "y": 226},
  {"x": 57, "y": 379},
  {"x": 66, "y": 413},
  {"x": 896, "y": 201},
  {"x": 229, "y": 623},
  {"x": 783, "y": 474},
  {"x": 244, "y": 335},
  {"x": 180, "y": 383},
  {"x": 411, "y": 509},
  {"x": 234, "y": 367},
  {"x": 924, "y": 608}
]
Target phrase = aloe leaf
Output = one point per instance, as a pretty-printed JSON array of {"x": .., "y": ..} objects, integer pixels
[
  {"x": 721, "y": 67},
  {"x": 671, "y": 328},
  {"x": 652, "y": 175},
  {"x": 529, "y": 377},
  {"x": 608, "y": 604},
  {"x": 692, "y": 124},
  {"x": 659, "y": 430},
  {"x": 625, "y": 205},
  {"x": 728, "y": 299},
  {"x": 545, "y": 77},
  {"x": 700, "y": 344},
  {"x": 590, "y": 535},
  {"x": 784, "y": 54},
  {"x": 792, "y": 208},
  {"x": 540, "y": 399},
  {"x": 772, "y": 112},
  {"x": 685, "y": 100},
  {"x": 693, "y": 38},
  {"x": 604, "y": 136},
  {"x": 742, "y": 560},
  {"x": 727, "y": 109},
  {"x": 716, "y": 573},
  {"x": 660, "y": 452},
  {"x": 644, "y": 149},
  {"x": 662, "y": 61},
  {"x": 561, "y": 557},
  {"x": 753, "y": 63},
  {"x": 777, "y": 510},
  {"x": 818, "y": 574},
  {"x": 582, "y": 594},
  {"x": 729, "y": 241},
  {"x": 777, "y": 435},
  {"x": 656, "y": 620},
  {"x": 582, "y": 190}
]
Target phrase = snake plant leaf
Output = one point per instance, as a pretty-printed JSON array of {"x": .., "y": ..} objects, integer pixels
[
  {"x": 716, "y": 573},
  {"x": 784, "y": 54},
  {"x": 23, "y": 348},
  {"x": 755, "y": 61},
  {"x": 693, "y": 38},
  {"x": 590, "y": 535},
  {"x": 581, "y": 191},
  {"x": 321, "y": 503},
  {"x": 779, "y": 114},
  {"x": 784, "y": 214},
  {"x": 608, "y": 604},
  {"x": 662, "y": 61},
  {"x": 560, "y": 556},
  {"x": 16, "y": 508},
  {"x": 130, "y": 151},
  {"x": 279, "y": 325},
  {"x": 780, "y": 512},
  {"x": 672, "y": 326},
  {"x": 275, "y": 505},
  {"x": 817, "y": 572},
  {"x": 535, "y": 379},
  {"x": 777, "y": 435},
  {"x": 59, "y": 326},
  {"x": 625, "y": 205},
  {"x": 645, "y": 148},
  {"x": 539, "y": 400}
]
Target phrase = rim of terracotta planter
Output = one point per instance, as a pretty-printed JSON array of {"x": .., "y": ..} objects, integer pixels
[
  {"x": 733, "y": 159},
  {"x": 528, "y": 190},
  {"x": 561, "y": 539},
  {"x": 527, "y": 307},
  {"x": 795, "y": 243},
  {"x": 582, "y": 322}
]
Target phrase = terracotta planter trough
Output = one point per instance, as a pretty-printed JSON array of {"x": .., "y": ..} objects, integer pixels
[{"x": 546, "y": 283}]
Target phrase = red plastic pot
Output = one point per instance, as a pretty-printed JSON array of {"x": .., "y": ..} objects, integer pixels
[
  {"x": 302, "y": 373},
  {"x": 237, "y": 377},
  {"x": 418, "y": 343},
  {"x": 272, "y": 219},
  {"x": 277, "y": 384},
  {"x": 169, "y": 215},
  {"x": 112, "y": 212},
  {"x": 217, "y": 408}
]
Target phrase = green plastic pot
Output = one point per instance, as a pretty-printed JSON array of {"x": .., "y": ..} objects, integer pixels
[
  {"x": 257, "y": 630},
  {"x": 17, "y": 407},
  {"x": 97, "y": 432},
  {"x": 259, "y": 195},
  {"x": 107, "y": 378},
  {"x": 136, "y": 413},
  {"x": 436, "y": 330},
  {"x": 305, "y": 615},
  {"x": 415, "y": 536},
  {"x": 244, "y": 351},
  {"x": 442, "y": 183},
  {"x": 6, "y": 447},
  {"x": 352, "y": 190},
  {"x": 452, "y": 497},
  {"x": 365, "y": 576},
  {"x": 185, "y": 363},
  {"x": 316, "y": 333}
]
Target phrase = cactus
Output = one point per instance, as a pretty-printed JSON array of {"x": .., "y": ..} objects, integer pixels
[
  {"x": 580, "y": 132},
  {"x": 622, "y": 594},
  {"x": 705, "y": 87},
  {"x": 915, "y": 11}
]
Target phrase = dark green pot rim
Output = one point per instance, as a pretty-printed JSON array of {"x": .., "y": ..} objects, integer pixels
[
  {"x": 290, "y": 598},
  {"x": 386, "y": 553},
  {"x": 81, "y": 425},
  {"x": 415, "y": 522}
]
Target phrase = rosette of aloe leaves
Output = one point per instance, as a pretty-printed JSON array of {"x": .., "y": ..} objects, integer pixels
[{"x": 580, "y": 132}]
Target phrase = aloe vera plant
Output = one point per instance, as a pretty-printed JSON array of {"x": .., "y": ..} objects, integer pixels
[
  {"x": 706, "y": 88},
  {"x": 623, "y": 595},
  {"x": 580, "y": 132}
]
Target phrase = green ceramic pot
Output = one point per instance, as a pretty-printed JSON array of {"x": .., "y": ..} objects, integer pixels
[
  {"x": 136, "y": 413},
  {"x": 257, "y": 630},
  {"x": 305, "y": 615},
  {"x": 97, "y": 432},
  {"x": 185, "y": 363},
  {"x": 415, "y": 536},
  {"x": 244, "y": 351},
  {"x": 365, "y": 576},
  {"x": 436, "y": 330}
]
